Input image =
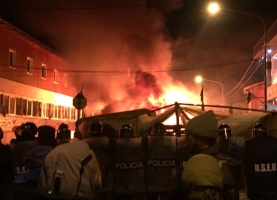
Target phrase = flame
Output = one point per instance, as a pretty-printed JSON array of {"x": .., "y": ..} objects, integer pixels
[{"x": 145, "y": 91}]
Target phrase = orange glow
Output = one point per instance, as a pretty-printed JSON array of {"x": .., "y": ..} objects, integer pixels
[
  {"x": 274, "y": 81},
  {"x": 172, "y": 120},
  {"x": 146, "y": 92},
  {"x": 178, "y": 93}
]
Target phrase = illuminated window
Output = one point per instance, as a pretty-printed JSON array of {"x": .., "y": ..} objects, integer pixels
[
  {"x": 12, "y": 105},
  {"x": 18, "y": 106},
  {"x": 43, "y": 110},
  {"x": 29, "y": 108},
  {"x": 65, "y": 80},
  {"x": 4, "y": 104},
  {"x": 66, "y": 112},
  {"x": 29, "y": 65},
  {"x": 73, "y": 113},
  {"x": 52, "y": 108},
  {"x": 12, "y": 58},
  {"x": 23, "y": 110},
  {"x": 57, "y": 111},
  {"x": 55, "y": 76},
  {"x": 43, "y": 71}
]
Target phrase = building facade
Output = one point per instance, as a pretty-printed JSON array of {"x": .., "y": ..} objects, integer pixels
[
  {"x": 257, "y": 90},
  {"x": 34, "y": 85}
]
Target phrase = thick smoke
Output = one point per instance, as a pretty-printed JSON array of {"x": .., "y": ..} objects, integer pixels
[{"x": 123, "y": 52}]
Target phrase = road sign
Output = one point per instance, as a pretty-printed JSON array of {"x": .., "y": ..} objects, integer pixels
[{"x": 80, "y": 101}]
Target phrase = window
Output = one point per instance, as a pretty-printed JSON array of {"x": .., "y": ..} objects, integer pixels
[
  {"x": 43, "y": 71},
  {"x": 73, "y": 114},
  {"x": 23, "y": 110},
  {"x": 4, "y": 104},
  {"x": 44, "y": 109},
  {"x": 18, "y": 106},
  {"x": 37, "y": 109},
  {"x": 12, "y": 105},
  {"x": 12, "y": 58},
  {"x": 29, "y": 65},
  {"x": 55, "y": 76},
  {"x": 29, "y": 108},
  {"x": 65, "y": 80}
]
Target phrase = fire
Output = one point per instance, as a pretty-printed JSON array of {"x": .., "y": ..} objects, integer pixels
[{"x": 145, "y": 90}]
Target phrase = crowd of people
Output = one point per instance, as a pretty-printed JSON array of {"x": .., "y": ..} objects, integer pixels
[{"x": 207, "y": 163}]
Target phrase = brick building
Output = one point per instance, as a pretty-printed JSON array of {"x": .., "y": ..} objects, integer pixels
[{"x": 34, "y": 84}]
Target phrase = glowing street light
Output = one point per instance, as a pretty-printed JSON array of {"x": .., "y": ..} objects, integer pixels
[
  {"x": 199, "y": 79},
  {"x": 214, "y": 7}
]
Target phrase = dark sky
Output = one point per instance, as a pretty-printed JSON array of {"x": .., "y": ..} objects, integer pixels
[{"x": 154, "y": 42}]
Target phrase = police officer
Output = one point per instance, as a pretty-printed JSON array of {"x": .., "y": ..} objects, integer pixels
[
  {"x": 95, "y": 129},
  {"x": 158, "y": 129},
  {"x": 6, "y": 168},
  {"x": 63, "y": 134},
  {"x": 260, "y": 162},
  {"x": 129, "y": 182},
  {"x": 231, "y": 165},
  {"x": 202, "y": 177},
  {"x": 223, "y": 139},
  {"x": 101, "y": 145},
  {"x": 126, "y": 131},
  {"x": 161, "y": 171},
  {"x": 29, "y": 131}
]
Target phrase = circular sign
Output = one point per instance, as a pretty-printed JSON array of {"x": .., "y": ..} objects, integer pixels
[{"x": 79, "y": 101}]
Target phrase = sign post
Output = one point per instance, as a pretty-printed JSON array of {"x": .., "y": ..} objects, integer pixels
[{"x": 79, "y": 102}]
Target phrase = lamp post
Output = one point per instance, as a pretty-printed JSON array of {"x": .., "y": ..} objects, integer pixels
[
  {"x": 214, "y": 7},
  {"x": 199, "y": 79}
]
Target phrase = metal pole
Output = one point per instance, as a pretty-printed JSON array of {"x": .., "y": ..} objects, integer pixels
[{"x": 222, "y": 90}]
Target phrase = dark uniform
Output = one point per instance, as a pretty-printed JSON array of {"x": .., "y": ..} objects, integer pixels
[
  {"x": 230, "y": 151},
  {"x": 260, "y": 162}
]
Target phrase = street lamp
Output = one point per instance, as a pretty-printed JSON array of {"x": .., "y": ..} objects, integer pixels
[
  {"x": 199, "y": 79},
  {"x": 213, "y": 8}
]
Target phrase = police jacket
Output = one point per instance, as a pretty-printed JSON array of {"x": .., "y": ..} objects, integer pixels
[{"x": 260, "y": 160}]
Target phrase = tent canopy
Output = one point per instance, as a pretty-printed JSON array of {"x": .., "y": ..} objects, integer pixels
[{"x": 143, "y": 119}]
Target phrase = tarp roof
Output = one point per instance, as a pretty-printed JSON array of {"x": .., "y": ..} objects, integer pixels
[{"x": 143, "y": 119}]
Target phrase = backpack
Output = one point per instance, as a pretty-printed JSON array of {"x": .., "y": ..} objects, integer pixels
[{"x": 70, "y": 171}]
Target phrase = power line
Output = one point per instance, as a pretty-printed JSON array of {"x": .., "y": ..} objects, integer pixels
[
  {"x": 96, "y": 7},
  {"x": 119, "y": 72}
]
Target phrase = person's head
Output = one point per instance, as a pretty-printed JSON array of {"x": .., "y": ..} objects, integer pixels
[
  {"x": 126, "y": 131},
  {"x": 224, "y": 131},
  {"x": 63, "y": 132},
  {"x": 46, "y": 135},
  {"x": 258, "y": 130},
  {"x": 29, "y": 130},
  {"x": 201, "y": 131},
  {"x": 95, "y": 128},
  {"x": 158, "y": 129},
  {"x": 224, "y": 138},
  {"x": 17, "y": 131}
]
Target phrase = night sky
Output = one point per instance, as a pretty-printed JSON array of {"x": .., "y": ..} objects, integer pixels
[{"x": 154, "y": 40}]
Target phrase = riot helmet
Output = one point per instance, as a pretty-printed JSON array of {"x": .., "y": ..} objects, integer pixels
[
  {"x": 126, "y": 131},
  {"x": 158, "y": 129},
  {"x": 95, "y": 128},
  {"x": 27, "y": 131},
  {"x": 224, "y": 131},
  {"x": 258, "y": 130},
  {"x": 63, "y": 132},
  {"x": 30, "y": 126}
]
